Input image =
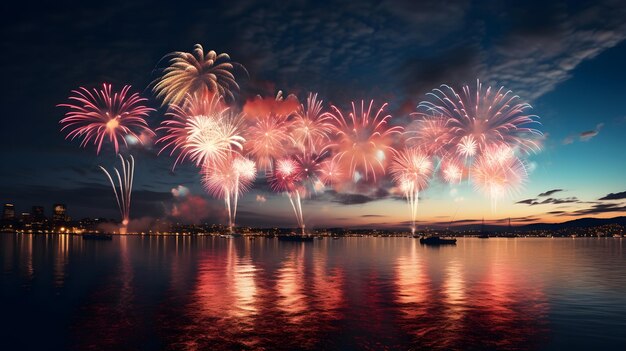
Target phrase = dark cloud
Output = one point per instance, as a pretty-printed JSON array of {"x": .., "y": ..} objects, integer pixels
[
  {"x": 550, "y": 200},
  {"x": 599, "y": 209},
  {"x": 614, "y": 196},
  {"x": 549, "y": 192},
  {"x": 372, "y": 216},
  {"x": 352, "y": 199},
  {"x": 584, "y": 136}
]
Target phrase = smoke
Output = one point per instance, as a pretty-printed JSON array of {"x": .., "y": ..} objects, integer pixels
[
  {"x": 268, "y": 106},
  {"x": 180, "y": 191},
  {"x": 143, "y": 224}
]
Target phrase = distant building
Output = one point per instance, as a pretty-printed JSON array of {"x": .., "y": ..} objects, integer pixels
[
  {"x": 59, "y": 213},
  {"x": 37, "y": 213},
  {"x": 8, "y": 214}
]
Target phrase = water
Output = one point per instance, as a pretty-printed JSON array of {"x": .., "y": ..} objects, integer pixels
[{"x": 194, "y": 293}]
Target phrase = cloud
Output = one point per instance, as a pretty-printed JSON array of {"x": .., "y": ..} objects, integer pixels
[
  {"x": 372, "y": 216},
  {"x": 614, "y": 196},
  {"x": 599, "y": 209},
  {"x": 550, "y": 200},
  {"x": 589, "y": 134},
  {"x": 352, "y": 199},
  {"x": 584, "y": 136},
  {"x": 549, "y": 192}
]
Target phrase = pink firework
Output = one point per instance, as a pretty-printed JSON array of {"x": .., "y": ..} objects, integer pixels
[
  {"x": 310, "y": 127},
  {"x": 484, "y": 117},
  {"x": 330, "y": 172},
  {"x": 286, "y": 178},
  {"x": 431, "y": 134},
  {"x": 203, "y": 130},
  {"x": 411, "y": 170},
  {"x": 451, "y": 171},
  {"x": 99, "y": 115},
  {"x": 497, "y": 172},
  {"x": 268, "y": 132},
  {"x": 309, "y": 167},
  {"x": 364, "y": 142},
  {"x": 228, "y": 180}
]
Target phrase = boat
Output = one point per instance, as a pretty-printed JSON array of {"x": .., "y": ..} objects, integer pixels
[
  {"x": 336, "y": 238},
  {"x": 97, "y": 236},
  {"x": 295, "y": 238},
  {"x": 435, "y": 240}
]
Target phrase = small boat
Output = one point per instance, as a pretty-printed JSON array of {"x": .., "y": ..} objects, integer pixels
[
  {"x": 295, "y": 238},
  {"x": 97, "y": 236},
  {"x": 435, "y": 240}
]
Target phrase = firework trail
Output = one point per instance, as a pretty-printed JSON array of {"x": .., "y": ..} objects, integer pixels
[
  {"x": 268, "y": 131},
  {"x": 483, "y": 117},
  {"x": 411, "y": 169},
  {"x": 286, "y": 178},
  {"x": 203, "y": 130},
  {"x": 196, "y": 73},
  {"x": 96, "y": 115},
  {"x": 363, "y": 141},
  {"x": 311, "y": 127},
  {"x": 123, "y": 193},
  {"x": 228, "y": 180}
]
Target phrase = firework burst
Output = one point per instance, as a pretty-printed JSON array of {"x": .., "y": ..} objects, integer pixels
[
  {"x": 286, "y": 178},
  {"x": 196, "y": 72},
  {"x": 99, "y": 115},
  {"x": 268, "y": 133},
  {"x": 498, "y": 173},
  {"x": 483, "y": 117},
  {"x": 311, "y": 127},
  {"x": 227, "y": 180},
  {"x": 411, "y": 169},
  {"x": 364, "y": 142},
  {"x": 203, "y": 130}
]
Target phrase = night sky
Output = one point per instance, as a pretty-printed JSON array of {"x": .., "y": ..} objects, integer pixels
[{"x": 565, "y": 58}]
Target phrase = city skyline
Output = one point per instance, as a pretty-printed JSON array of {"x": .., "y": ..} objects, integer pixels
[{"x": 579, "y": 173}]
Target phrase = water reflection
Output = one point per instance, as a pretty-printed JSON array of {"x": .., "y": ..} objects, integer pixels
[{"x": 193, "y": 293}]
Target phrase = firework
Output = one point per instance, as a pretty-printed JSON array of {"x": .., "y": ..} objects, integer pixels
[
  {"x": 498, "y": 173},
  {"x": 452, "y": 171},
  {"x": 196, "y": 72},
  {"x": 431, "y": 134},
  {"x": 123, "y": 193},
  {"x": 481, "y": 118},
  {"x": 99, "y": 115},
  {"x": 268, "y": 132},
  {"x": 411, "y": 169},
  {"x": 286, "y": 178},
  {"x": 330, "y": 172},
  {"x": 363, "y": 142},
  {"x": 228, "y": 180},
  {"x": 203, "y": 130},
  {"x": 309, "y": 167},
  {"x": 311, "y": 127}
]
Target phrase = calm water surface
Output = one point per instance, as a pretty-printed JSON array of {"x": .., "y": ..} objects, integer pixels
[{"x": 194, "y": 293}]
